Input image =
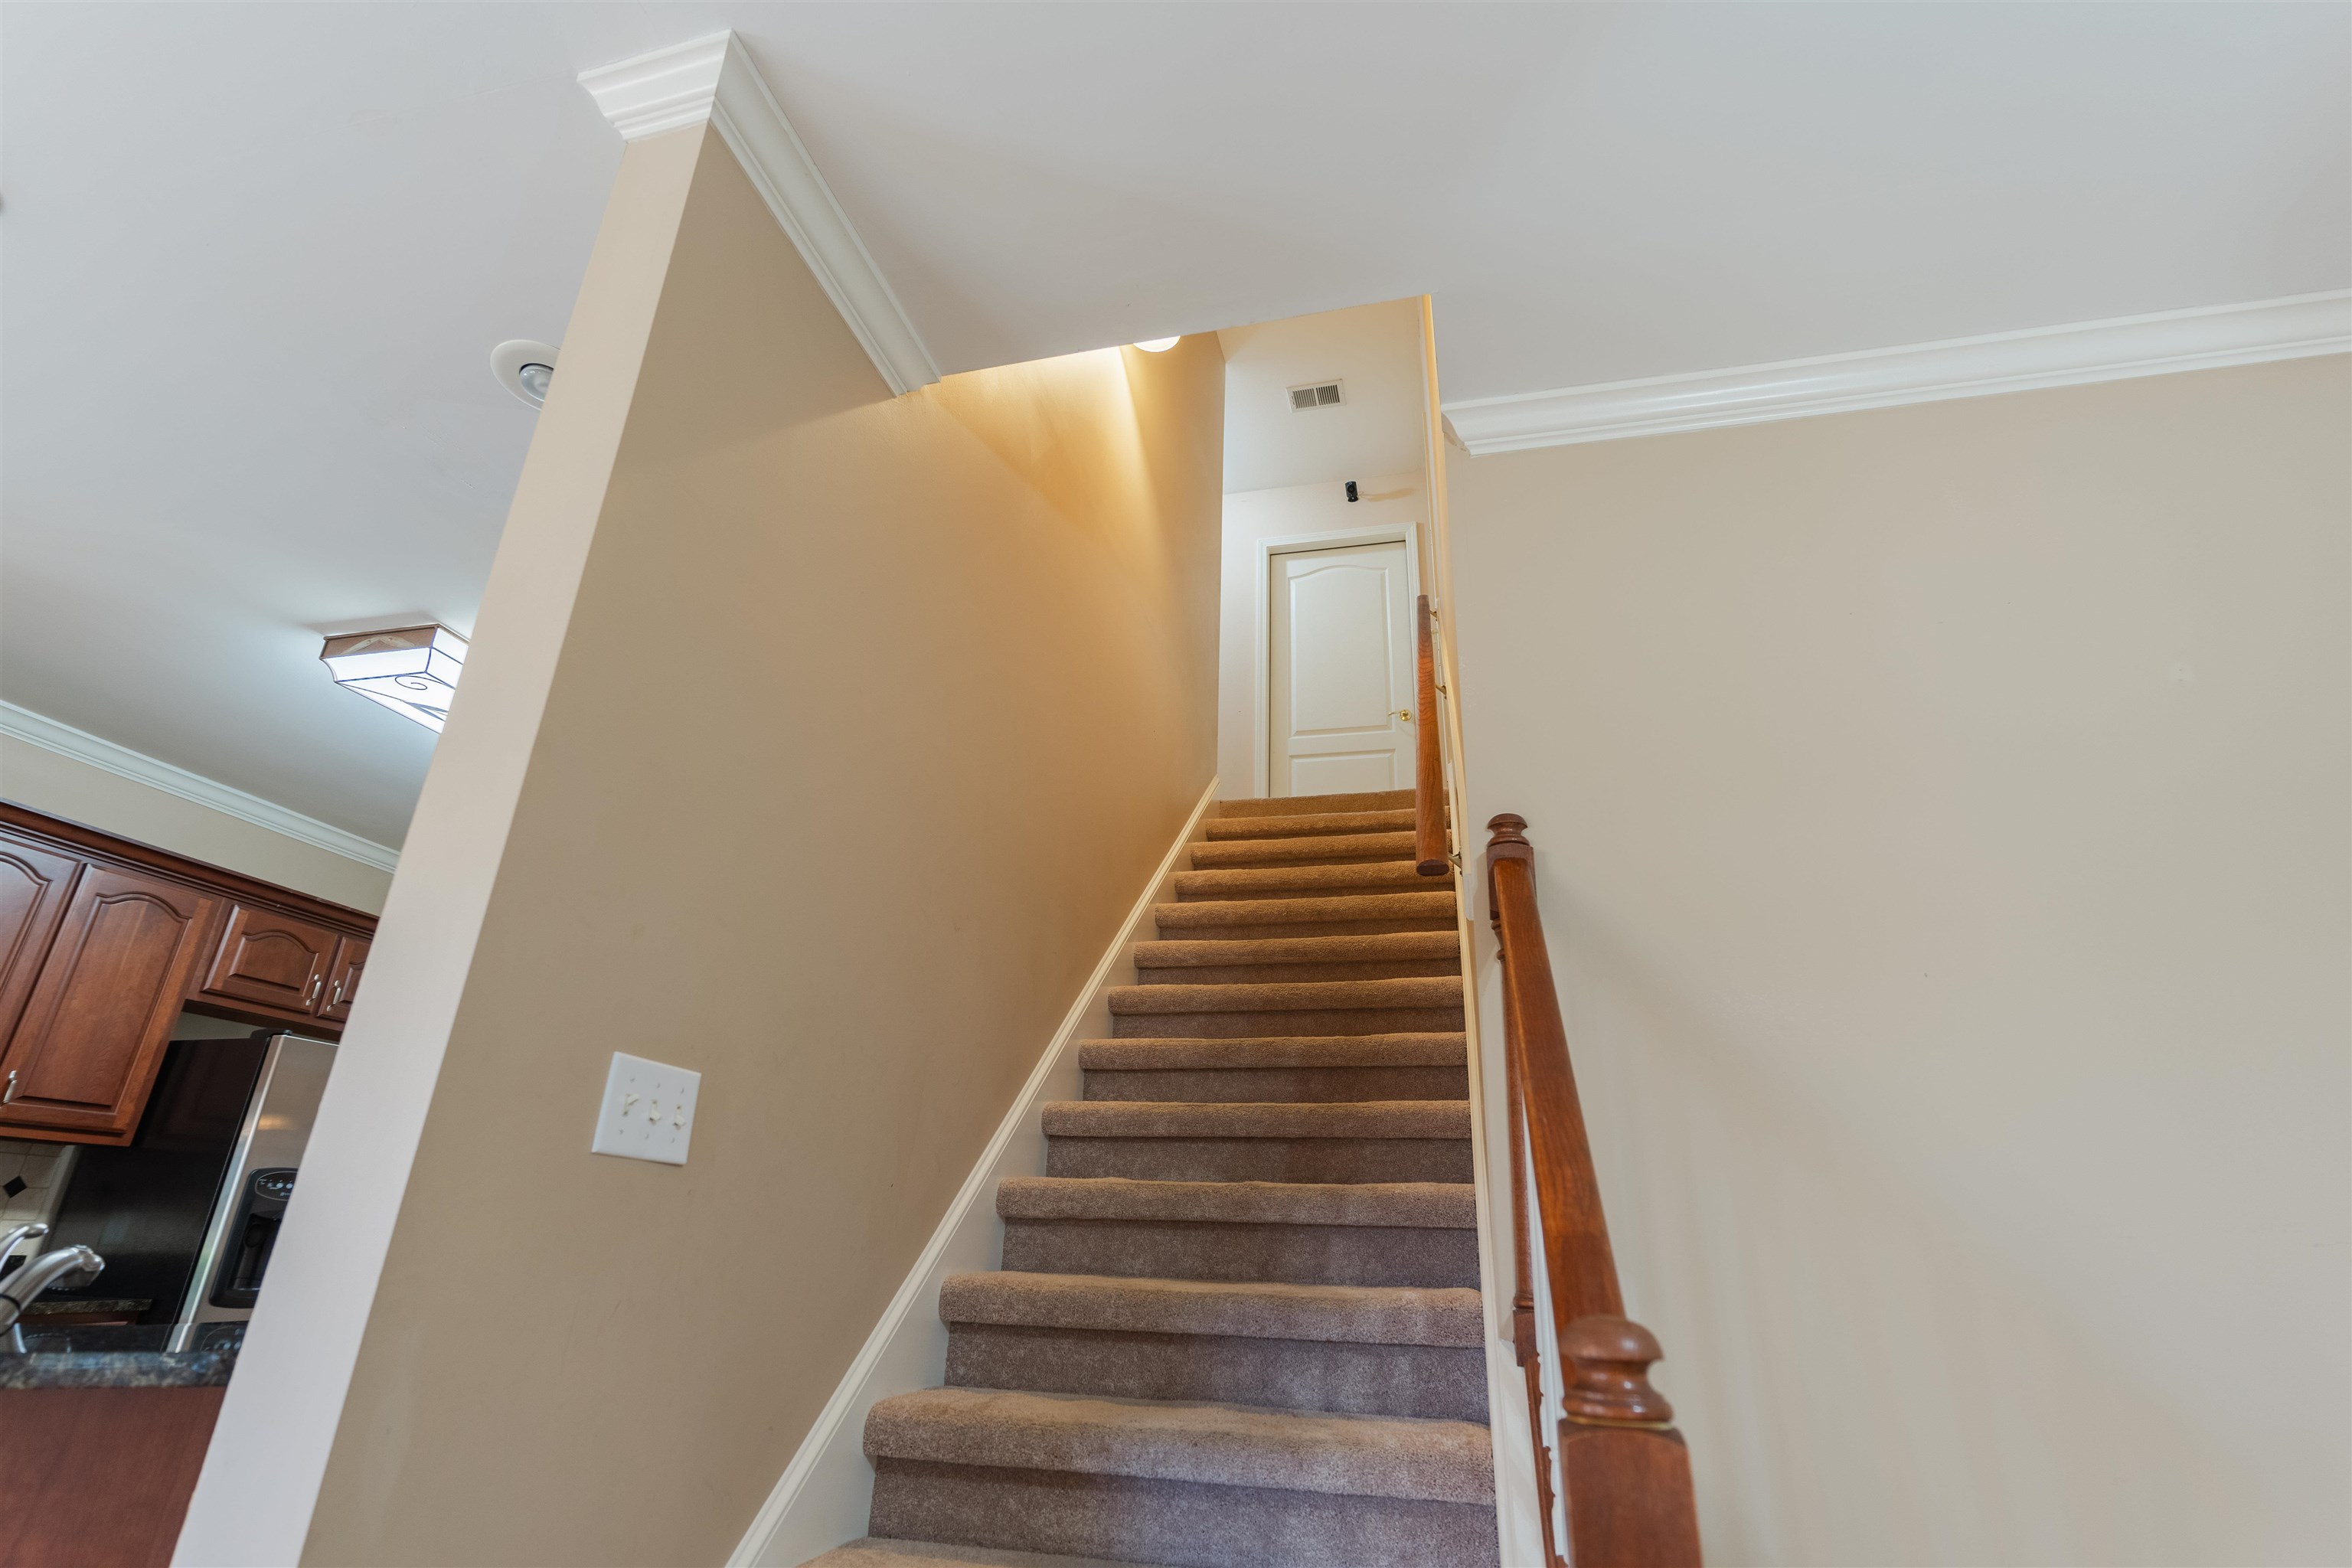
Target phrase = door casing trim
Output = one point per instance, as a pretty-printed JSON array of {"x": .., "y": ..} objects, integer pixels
[{"x": 1407, "y": 533}]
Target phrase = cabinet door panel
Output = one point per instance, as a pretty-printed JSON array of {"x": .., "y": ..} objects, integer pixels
[
  {"x": 34, "y": 887},
  {"x": 85, "y": 1052},
  {"x": 272, "y": 960},
  {"x": 343, "y": 980}
]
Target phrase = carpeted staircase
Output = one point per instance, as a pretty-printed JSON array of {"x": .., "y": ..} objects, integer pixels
[{"x": 1238, "y": 1320}]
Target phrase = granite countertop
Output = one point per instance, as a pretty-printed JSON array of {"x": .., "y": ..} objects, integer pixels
[
  {"x": 116, "y": 1369},
  {"x": 118, "y": 1357}
]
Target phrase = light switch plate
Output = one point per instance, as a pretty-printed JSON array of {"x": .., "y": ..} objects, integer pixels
[{"x": 648, "y": 1110}]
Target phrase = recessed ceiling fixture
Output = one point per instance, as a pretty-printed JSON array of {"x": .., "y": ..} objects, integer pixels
[
  {"x": 1159, "y": 345},
  {"x": 524, "y": 368},
  {"x": 1315, "y": 395},
  {"x": 413, "y": 670}
]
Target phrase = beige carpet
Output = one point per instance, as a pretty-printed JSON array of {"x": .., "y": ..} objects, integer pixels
[{"x": 1237, "y": 1323}]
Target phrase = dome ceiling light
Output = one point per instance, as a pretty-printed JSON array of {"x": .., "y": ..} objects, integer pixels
[
  {"x": 413, "y": 670},
  {"x": 524, "y": 368},
  {"x": 1159, "y": 345}
]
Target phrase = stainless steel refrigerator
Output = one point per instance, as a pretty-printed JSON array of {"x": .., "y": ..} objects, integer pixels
[{"x": 188, "y": 1213}]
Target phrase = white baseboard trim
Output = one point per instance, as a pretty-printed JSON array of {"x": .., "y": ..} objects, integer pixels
[
  {"x": 39, "y": 730},
  {"x": 823, "y": 1497},
  {"x": 2077, "y": 352}
]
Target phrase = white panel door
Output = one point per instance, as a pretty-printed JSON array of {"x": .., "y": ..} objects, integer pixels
[{"x": 1341, "y": 671}]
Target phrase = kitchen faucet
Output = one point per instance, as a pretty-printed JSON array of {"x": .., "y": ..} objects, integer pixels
[
  {"x": 75, "y": 1266},
  {"x": 9, "y": 1238}
]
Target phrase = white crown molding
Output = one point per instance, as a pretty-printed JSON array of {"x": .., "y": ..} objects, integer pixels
[
  {"x": 2069, "y": 355},
  {"x": 39, "y": 730},
  {"x": 713, "y": 79}
]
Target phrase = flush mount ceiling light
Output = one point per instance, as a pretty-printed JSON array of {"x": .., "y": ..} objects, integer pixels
[
  {"x": 524, "y": 368},
  {"x": 413, "y": 670},
  {"x": 1159, "y": 345}
]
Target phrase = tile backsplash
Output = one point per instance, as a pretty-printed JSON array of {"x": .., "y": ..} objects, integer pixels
[{"x": 32, "y": 1178}]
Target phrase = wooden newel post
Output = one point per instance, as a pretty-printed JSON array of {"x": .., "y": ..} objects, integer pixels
[
  {"x": 1625, "y": 1471},
  {"x": 1609, "y": 1374}
]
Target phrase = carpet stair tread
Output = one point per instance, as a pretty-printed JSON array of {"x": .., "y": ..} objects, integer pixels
[
  {"x": 1289, "y": 995},
  {"x": 1240, "y": 1322},
  {"x": 1265, "y": 881},
  {"x": 1210, "y": 914},
  {"x": 1225, "y": 853},
  {"x": 1293, "y": 804},
  {"x": 878, "y": 1552},
  {"x": 1352, "y": 1314},
  {"x": 1423, "y": 1205},
  {"x": 1224, "y": 1444},
  {"x": 1276, "y": 1051},
  {"x": 1255, "y": 1119},
  {"x": 1177, "y": 953},
  {"x": 1301, "y": 824}
]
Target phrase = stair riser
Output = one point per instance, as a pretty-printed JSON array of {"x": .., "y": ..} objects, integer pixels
[
  {"x": 1278, "y": 973},
  {"x": 1280, "y": 1253},
  {"x": 1231, "y": 1086},
  {"x": 1226, "y": 830},
  {"x": 1312, "y": 849},
  {"x": 1331, "y": 1021},
  {"x": 1343, "y": 1160},
  {"x": 1242, "y": 855},
  {"x": 1436, "y": 1382},
  {"x": 1307, "y": 882},
  {"x": 1180, "y": 1524},
  {"x": 1325, "y": 805}
]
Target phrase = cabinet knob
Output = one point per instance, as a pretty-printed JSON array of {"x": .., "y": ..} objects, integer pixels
[{"x": 9, "y": 1097}]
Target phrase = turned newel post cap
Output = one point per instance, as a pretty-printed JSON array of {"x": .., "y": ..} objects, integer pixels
[
  {"x": 1509, "y": 824},
  {"x": 1609, "y": 1373}
]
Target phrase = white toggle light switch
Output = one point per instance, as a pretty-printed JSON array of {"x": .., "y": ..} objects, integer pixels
[{"x": 648, "y": 1111}]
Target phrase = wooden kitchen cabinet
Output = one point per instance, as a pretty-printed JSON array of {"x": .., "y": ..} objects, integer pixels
[
  {"x": 343, "y": 979},
  {"x": 85, "y": 1051},
  {"x": 272, "y": 959},
  {"x": 34, "y": 886},
  {"x": 103, "y": 941}
]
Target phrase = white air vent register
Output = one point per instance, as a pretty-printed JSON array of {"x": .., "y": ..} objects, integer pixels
[{"x": 1315, "y": 395}]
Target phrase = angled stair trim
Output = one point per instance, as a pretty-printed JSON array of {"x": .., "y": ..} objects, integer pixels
[
  {"x": 823, "y": 1497},
  {"x": 712, "y": 78},
  {"x": 2071, "y": 355}
]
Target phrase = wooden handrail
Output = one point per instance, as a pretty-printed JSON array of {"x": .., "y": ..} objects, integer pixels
[
  {"x": 1429, "y": 844},
  {"x": 1623, "y": 1474}
]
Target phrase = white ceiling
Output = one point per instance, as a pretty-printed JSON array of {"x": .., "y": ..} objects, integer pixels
[
  {"x": 257, "y": 254},
  {"x": 1373, "y": 352}
]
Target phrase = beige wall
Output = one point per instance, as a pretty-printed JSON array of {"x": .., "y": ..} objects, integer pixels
[
  {"x": 1941, "y": 821},
  {"x": 871, "y": 719},
  {"x": 67, "y": 787}
]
